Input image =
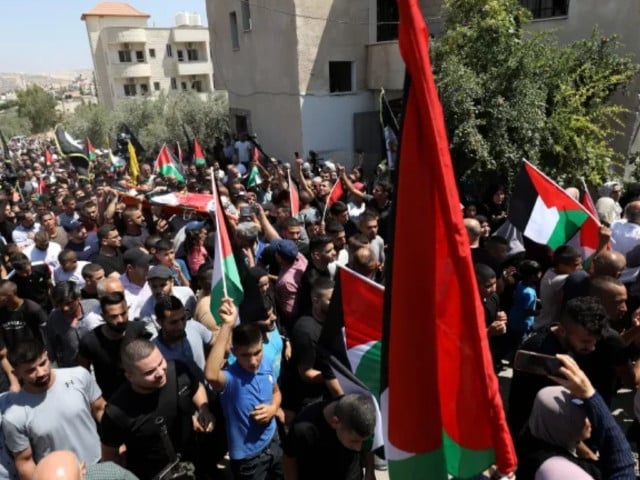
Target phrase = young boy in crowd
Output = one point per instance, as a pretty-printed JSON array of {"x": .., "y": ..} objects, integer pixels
[
  {"x": 525, "y": 300},
  {"x": 496, "y": 320}
]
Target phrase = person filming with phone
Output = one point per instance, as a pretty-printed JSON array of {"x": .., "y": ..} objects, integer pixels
[{"x": 562, "y": 417}]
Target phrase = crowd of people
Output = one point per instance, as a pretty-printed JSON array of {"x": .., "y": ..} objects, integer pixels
[{"x": 115, "y": 364}]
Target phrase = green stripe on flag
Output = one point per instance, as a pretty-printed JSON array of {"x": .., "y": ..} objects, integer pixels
[
  {"x": 449, "y": 459},
  {"x": 234, "y": 287},
  {"x": 569, "y": 222},
  {"x": 368, "y": 370}
]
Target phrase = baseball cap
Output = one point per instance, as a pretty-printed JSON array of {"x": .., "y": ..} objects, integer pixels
[
  {"x": 286, "y": 248},
  {"x": 136, "y": 257},
  {"x": 160, "y": 271},
  {"x": 74, "y": 225},
  {"x": 195, "y": 225}
]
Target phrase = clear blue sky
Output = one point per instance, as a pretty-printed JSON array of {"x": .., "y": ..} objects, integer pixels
[{"x": 48, "y": 35}]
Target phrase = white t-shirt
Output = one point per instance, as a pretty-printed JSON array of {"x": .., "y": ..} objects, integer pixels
[
  {"x": 244, "y": 151},
  {"x": 48, "y": 256}
]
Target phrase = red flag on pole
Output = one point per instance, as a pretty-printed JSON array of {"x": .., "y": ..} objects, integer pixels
[
  {"x": 294, "y": 198},
  {"x": 48, "y": 157},
  {"x": 435, "y": 336}
]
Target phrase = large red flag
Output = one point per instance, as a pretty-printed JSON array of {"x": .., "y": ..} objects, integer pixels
[{"x": 444, "y": 412}]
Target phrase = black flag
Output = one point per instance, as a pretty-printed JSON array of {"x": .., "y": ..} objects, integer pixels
[{"x": 72, "y": 149}]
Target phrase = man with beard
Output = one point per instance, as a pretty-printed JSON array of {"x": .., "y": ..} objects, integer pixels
[
  {"x": 49, "y": 399},
  {"x": 101, "y": 346},
  {"x": 584, "y": 333},
  {"x": 308, "y": 376},
  {"x": 180, "y": 338},
  {"x": 155, "y": 388}
]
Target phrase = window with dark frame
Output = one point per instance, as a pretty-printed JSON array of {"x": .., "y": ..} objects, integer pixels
[
  {"x": 156, "y": 86},
  {"x": 235, "y": 37},
  {"x": 245, "y": 8},
  {"x": 129, "y": 90},
  {"x": 180, "y": 54},
  {"x": 184, "y": 86},
  {"x": 124, "y": 56},
  {"x": 340, "y": 77},
  {"x": 139, "y": 56},
  {"x": 152, "y": 53},
  {"x": 196, "y": 85},
  {"x": 169, "y": 51},
  {"x": 192, "y": 54},
  {"x": 546, "y": 8},
  {"x": 174, "y": 84},
  {"x": 388, "y": 18}
]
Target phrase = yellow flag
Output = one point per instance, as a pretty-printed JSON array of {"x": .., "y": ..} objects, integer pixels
[{"x": 134, "y": 168}]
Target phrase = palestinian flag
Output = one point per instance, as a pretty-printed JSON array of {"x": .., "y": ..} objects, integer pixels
[
  {"x": 73, "y": 150},
  {"x": 434, "y": 331},
  {"x": 191, "y": 201},
  {"x": 225, "y": 281},
  {"x": 357, "y": 305},
  {"x": 166, "y": 166},
  {"x": 546, "y": 214},
  {"x": 337, "y": 191},
  {"x": 199, "y": 159},
  {"x": 294, "y": 197},
  {"x": 253, "y": 178},
  {"x": 91, "y": 152}
]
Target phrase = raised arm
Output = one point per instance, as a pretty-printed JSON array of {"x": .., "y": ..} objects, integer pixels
[{"x": 213, "y": 369}]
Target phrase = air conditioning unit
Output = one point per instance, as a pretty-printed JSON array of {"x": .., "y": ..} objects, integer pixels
[{"x": 127, "y": 46}]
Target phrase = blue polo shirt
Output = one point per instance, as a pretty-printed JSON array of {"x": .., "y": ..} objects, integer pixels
[{"x": 242, "y": 392}]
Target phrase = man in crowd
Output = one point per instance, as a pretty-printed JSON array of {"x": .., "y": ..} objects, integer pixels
[
  {"x": 134, "y": 279},
  {"x": 48, "y": 399},
  {"x": 154, "y": 388},
  {"x": 100, "y": 347},
  {"x": 92, "y": 274},
  {"x": 42, "y": 250},
  {"x": 33, "y": 281},
  {"x": 109, "y": 255}
]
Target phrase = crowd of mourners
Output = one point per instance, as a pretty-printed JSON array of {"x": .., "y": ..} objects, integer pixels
[
  {"x": 114, "y": 362},
  {"x": 116, "y": 365}
]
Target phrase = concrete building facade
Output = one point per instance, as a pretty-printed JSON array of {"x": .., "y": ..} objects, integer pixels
[
  {"x": 133, "y": 60},
  {"x": 306, "y": 74}
]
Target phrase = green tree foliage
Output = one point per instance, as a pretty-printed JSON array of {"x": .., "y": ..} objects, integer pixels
[
  {"x": 12, "y": 124},
  {"x": 38, "y": 107},
  {"x": 155, "y": 121},
  {"x": 510, "y": 94}
]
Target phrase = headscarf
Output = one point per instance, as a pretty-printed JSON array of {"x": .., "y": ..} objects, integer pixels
[
  {"x": 557, "y": 419},
  {"x": 606, "y": 209}
]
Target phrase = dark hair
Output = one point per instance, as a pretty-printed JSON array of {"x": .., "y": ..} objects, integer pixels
[
  {"x": 67, "y": 254},
  {"x": 90, "y": 268},
  {"x": 484, "y": 272},
  {"x": 357, "y": 413},
  {"x": 333, "y": 226},
  {"x": 318, "y": 242},
  {"x": 496, "y": 240},
  {"x": 88, "y": 204},
  {"x": 9, "y": 286},
  {"x": 529, "y": 268},
  {"x": 19, "y": 261},
  {"x": 134, "y": 351},
  {"x": 386, "y": 187},
  {"x": 152, "y": 241},
  {"x": 566, "y": 255},
  {"x": 167, "y": 302},
  {"x": 338, "y": 208},
  {"x": 26, "y": 351},
  {"x": 163, "y": 245},
  {"x": 290, "y": 222},
  {"x": 368, "y": 216},
  {"x": 114, "y": 298},
  {"x": 586, "y": 312},
  {"x": 321, "y": 284},
  {"x": 358, "y": 240},
  {"x": 246, "y": 334},
  {"x": 65, "y": 292},
  {"x": 105, "y": 230},
  {"x": 68, "y": 199}
]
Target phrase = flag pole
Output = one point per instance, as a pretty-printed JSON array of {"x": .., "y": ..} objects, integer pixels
[
  {"x": 326, "y": 205},
  {"x": 219, "y": 217}
]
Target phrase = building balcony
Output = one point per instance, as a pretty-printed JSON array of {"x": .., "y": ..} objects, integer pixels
[
  {"x": 130, "y": 70},
  {"x": 189, "y": 35},
  {"x": 130, "y": 35},
  {"x": 385, "y": 67},
  {"x": 194, "y": 68}
]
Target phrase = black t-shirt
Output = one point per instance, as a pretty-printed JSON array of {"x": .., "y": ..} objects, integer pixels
[
  {"x": 576, "y": 285},
  {"x": 133, "y": 422},
  {"x": 315, "y": 446},
  {"x": 28, "y": 321},
  {"x": 36, "y": 286},
  {"x": 84, "y": 295},
  {"x": 110, "y": 263},
  {"x": 104, "y": 354},
  {"x": 304, "y": 345}
]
